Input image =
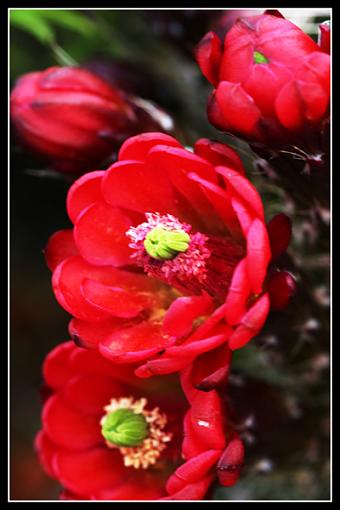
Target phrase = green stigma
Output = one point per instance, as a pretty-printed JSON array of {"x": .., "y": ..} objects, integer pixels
[
  {"x": 259, "y": 58},
  {"x": 123, "y": 427},
  {"x": 164, "y": 244}
]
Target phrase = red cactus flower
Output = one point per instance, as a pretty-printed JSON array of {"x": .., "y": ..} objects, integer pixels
[
  {"x": 271, "y": 80},
  {"x": 74, "y": 119},
  {"x": 169, "y": 255},
  {"x": 108, "y": 435}
]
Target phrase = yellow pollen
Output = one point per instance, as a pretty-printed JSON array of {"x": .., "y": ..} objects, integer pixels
[{"x": 147, "y": 453}]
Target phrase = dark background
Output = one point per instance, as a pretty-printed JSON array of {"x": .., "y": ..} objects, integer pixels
[{"x": 279, "y": 387}]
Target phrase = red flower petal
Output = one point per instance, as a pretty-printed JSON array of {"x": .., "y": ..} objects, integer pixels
[
  {"x": 274, "y": 77},
  {"x": 315, "y": 67},
  {"x": 87, "y": 362},
  {"x": 215, "y": 114},
  {"x": 65, "y": 78},
  {"x": 238, "y": 294},
  {"x": 75, "y": 111},
  {"x": 45, "y": 134},
  {"x": 89, "y": 334},
  {"x": 139, "y": 187},
  {"x": 194, "y": 491},
  {"x": 100, "y": 235},
  {"x": 162, "y": 365},
  {"x": 137, "y": 147},
  {"x": 179, "y": 318},
  {"x": 251, "y": 323},
  {"x": 178, "y": 163},
  {"x": 192, "y": 445},
  {"x": 221, "y": 203},
  {"x": 279, "y": 231},
  {"x": 216, "y": 379},
  {"x": 208, "y": 371},
  {"x": 258, "y": 255},
  {"x": 136, "y": 486},
  {"x": 208, "y": 55},
  {"x": 244, "y": 215},
  {"x": 180, "y": 356},
  {"x": 219, "y": 154},
  {"x": 45, "y": 449},
  {"x": 238, "y": 108},
  {"x": 231, "y": 462},
  {"x": 90, "y": 471},
  {"x": 193, "y": 348},
  {"x": 192, "y": 471},
  {"x": 66, "y": 282},
  {"x": 281, "y": 288},
  {"x": 181, "y": 161},
  {"x": 89, "y": 393},
  {"x": 316, "y": 100},
  {"x": 68, "y": 428},
  {"x": 115, "y": 300},
  {"x": 59, "y": 247},
  {"x": 135, "y": 343},
  {"x": 70, "y": 274},
  {"x": 299, "y": 102},
  {"x": 210, "y": 324},
  {"x": 282, "y": 42},
  {"x": 84, "y": 191},
  {"x": 206, "y": 417},
  {"x": 237, "y": 60},
  {"x": 56, "y": 370},
  {"x": 240, "y": 186}
]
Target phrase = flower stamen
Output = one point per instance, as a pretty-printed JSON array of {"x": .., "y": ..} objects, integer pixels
[
  {"x": 187, "y": 261},
  {"x": 162, "y": 244},
  {"x": 149, "y": 424}
]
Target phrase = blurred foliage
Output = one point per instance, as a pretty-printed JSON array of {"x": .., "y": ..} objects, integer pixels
[{"x": 279, "y": 386}]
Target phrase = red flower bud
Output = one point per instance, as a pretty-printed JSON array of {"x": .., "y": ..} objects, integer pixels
[
  {"x": 74, "y": 119},
  {"x": 271, "y": 80},
  {"x": 281, "y": 288},
  {"x": 279, "y": 231}
]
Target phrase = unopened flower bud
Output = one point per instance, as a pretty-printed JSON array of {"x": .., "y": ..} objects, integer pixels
[{"x": 75, "y": 120}]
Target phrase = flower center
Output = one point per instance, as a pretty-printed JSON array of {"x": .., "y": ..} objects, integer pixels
[
  {"x": 123, "y": 427},
  {"x": 259, "y": 58},
  {"x": 137, "y": 432},
  {"x": 162, "y": 244},
  {"x": 188, "y": 261}
]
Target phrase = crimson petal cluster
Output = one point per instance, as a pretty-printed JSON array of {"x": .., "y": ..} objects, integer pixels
[
  {"x": 163, "y": 314},
  {"x": 271, "y": 79},
  {"x": 71, "y": 448}
]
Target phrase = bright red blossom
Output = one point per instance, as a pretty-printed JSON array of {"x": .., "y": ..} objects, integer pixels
[
  {"x": 73, "y": 450},
  {"x": 165, "y": 312},
  {"x": 271, "y": 80}
]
